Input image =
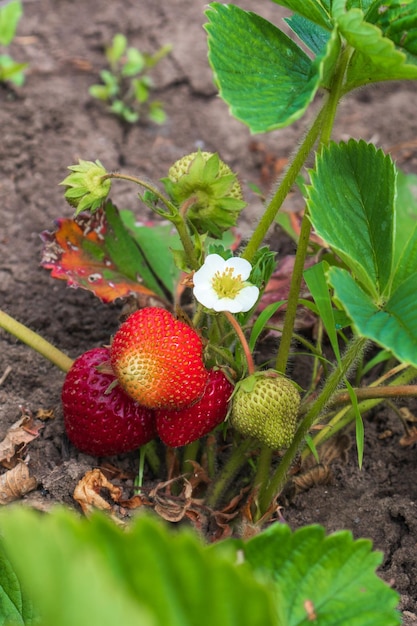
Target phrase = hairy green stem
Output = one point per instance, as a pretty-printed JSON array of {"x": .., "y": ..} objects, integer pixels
[
  {"x": 173, "y": 215},
  {"x": 283, "y": 188},
  {"x": 35, "y": 341},
  {"x": 293, "y": 296},
  {"x": 347, "y": 415},
  {"x": 353, "y": 351},
  {"x": 235, "y": 462}
]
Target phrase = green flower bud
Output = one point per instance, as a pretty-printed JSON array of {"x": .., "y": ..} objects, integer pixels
[
  {"x": 207, "y": 191},
  {"x": 85, "y": 187}
]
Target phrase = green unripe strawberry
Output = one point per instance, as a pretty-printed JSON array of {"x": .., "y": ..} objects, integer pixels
[
  {"x": 265, "y": 406},
  {"x": 207, "y": 190}
]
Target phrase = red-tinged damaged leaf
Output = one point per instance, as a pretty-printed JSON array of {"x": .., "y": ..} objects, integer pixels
[{"x": 82, "y": 250}]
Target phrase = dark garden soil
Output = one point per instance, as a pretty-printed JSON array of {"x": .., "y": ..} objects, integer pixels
[{"x": 51, "y": 122}]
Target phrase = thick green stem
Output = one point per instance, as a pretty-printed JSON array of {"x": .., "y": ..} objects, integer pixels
[
  {"x": 187, "y": 242},
  {"x": 283, "y": 188},
  {"x": 35, "y": 341},
  {"x": 353, "y": 351}
]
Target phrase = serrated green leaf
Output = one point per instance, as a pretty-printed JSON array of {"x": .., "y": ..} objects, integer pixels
[
  {"x": 264, "y": 77},
  {"x": 314, "y": 36},
  {"x": 398, "y": 22},
  {"x": 85, "y": 572},
  {"x": 316, "y": 11},
  {"x": 393, "y": 326},
  {"x": 10, "y": 15},
  {"x": 332, "y": 577},
  {"x": 375, "y": 57},
  {"x": 351, "y": 205}
]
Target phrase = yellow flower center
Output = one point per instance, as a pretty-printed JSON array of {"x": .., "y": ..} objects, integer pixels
[{"x": 226, "y": 284}]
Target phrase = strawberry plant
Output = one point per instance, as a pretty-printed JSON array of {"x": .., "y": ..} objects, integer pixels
[
  {"x": 127, "y": 85},
  {"x": 10, "y": 70},
  {"x": 186, "y": 366}
]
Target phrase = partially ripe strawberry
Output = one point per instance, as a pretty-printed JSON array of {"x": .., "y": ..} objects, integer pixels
[
  {"x": 265, "y": 406},
  {"x": 98, "y": 420},
  {"x": 178, "y": 428},
  {"x": 158, "y": 359}
]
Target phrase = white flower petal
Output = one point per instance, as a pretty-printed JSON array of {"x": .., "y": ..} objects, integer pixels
[
  {"x": 247, "y": 297},
  {"x": 240, "y": 266},
  {"x": 212, "y": 264}
]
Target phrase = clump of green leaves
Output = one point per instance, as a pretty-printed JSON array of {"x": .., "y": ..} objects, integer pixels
[
  {"x": 126, "y": 84},
  {"x": 10, "y": 70},
  {"x": 89, "y": 571}
]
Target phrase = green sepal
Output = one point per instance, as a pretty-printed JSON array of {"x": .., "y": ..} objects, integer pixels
[{"x": 85, "y": 187}]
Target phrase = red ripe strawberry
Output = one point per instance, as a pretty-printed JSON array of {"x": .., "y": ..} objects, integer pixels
[
  {"x": 98, "y": 421},
  {"x": 177, "y": 428},
  {"x": 158, "y": 359}
]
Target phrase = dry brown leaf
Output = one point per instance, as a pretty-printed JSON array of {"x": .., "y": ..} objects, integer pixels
[
  {"x": 407, "y": 415},
  {"x": 15, "y": 483},
  {"x": 45, "y": 414},
  {"x": 87, "y": 492},
  {"x": 410, "y": 437},
  {"x": 169, "y": 507},
  {"x": 18, "y": 436}
]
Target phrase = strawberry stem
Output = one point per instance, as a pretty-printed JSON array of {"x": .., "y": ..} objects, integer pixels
[
  {"x": 173, "y": 215},
  {"x": 241, "y": 336},
  {"x": 236, "y": 460},
  {"x": 35, "y": 341}
]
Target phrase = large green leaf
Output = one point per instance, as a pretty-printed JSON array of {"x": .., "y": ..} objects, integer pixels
[
  {"x": 376, "y": 56},
  {"x": 393, "y": 326},
  {"x": 264, "y": 77},
  {"x": 329, "y": 581},
  {"x": 87, "y": 572},
  {"x": 351, "y": 205}
]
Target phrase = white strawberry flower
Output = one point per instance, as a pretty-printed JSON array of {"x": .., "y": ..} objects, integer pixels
[{"x": 222, "y": 284}]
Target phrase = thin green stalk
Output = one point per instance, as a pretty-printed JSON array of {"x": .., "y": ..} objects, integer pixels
[
  {"x": 236, "y": 461},
  {"x": 35, "y": 341},
  {"x": 173, "y": 215},
  {"x": 293, "y": 296},
  {"x": 284, "y": 187},
  {"x": 263, "y": 471},
  {"x": 353, "y": 351}
]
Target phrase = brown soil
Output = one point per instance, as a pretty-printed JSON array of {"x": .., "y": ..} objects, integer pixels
[{"x": 51, "y": 122}]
